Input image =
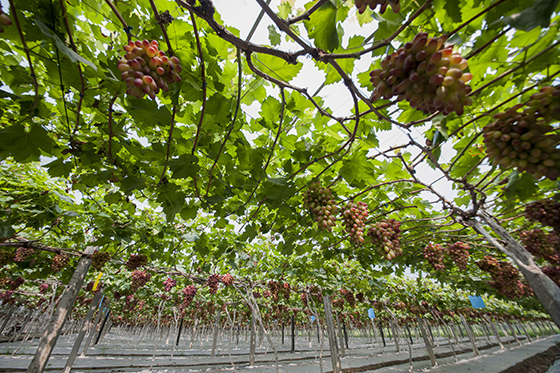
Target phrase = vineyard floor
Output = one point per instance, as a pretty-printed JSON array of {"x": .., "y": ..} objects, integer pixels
[{"x": 122, "y": 352}]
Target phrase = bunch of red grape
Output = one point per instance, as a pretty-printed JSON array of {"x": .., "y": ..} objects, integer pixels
[
  {"x": 546, "y": 212},
  {"x": 386, "y": 236},
  {"x": 213, "y": 282},
  {"x": 23, "y": 254},
  {"x": 435, "y": 255},
  {"x": 286, "y": 290},
  {"x": 169, "y": 284},
  {"x": 43, "y": 288},
  {"x": 459, "y": 254},
  {"x": 6, "y": 256},
  {"x": 99, "y": 259},
  {"x": 4, "y": 20},
  {"x": 338, "y": 303},
  {"x": 189, "y": 292},
  {"x": 319, "y": 202},
  {"x": 546, "y": 103},
  {"x": 227, "y": 279},
  {"x": 354, "y": 217},
  {"x": 541, "y": 244},
  {"x": 553, "y": 273},
  {"x": 427, "y": 74},
  {"x": 303, "y": 297},
  {"x": 146, "y": 70},
  {"x": 256, "y": 294},
  {"x": 267, "y": 294},
  {"x": 139, "y": 278},
  {"x": 16, "y": 283},
  {"x": 136, "y": 261},
  {"x": 525, "y": 141},
  {"x": 360, "y": 297},
  {"x": 363, "y": 4},
  {"x": 349, "y": 297},
  {"x": 274, "y": 287},
  {"x": 505, "y": 277},
  {"x": 59, "y": 262}
]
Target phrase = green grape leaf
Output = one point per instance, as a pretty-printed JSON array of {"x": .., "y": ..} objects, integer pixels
[
  {"x": 322, "y": 28},
  {"x": 537, "y": 15},
  {"x": 73, "y": 56}
]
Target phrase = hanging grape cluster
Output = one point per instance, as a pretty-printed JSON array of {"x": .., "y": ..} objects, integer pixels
[
  {"x": 546, "y": 212},
  {"x": 23, "y": 254},
  {"x": 169, "y": 284},
  {"x": 435, "y": 255},
  {"x": 99, "y": 259},
  {"x": 274, "y": 287},
  {"x": 542, "y": 244},
  {"x": 146, "y": 69},
  {"x": 213, "y": 282},
  {"x": 354, "y": 217},
  {"x": 227, "y": 279},
  {"x": 553, "y": 273},
  {"x": 386, "y": 237},
  {"x": 459, "y": 254},
  {"x": 6, "y": 256},
  {"x": 427, "y": 74},
  {"x": 525, "y": 141},
  {"x": 363, "y": 4},
  {"x": 189, "y": 292},
  {"x": 138, "y": 279},
  {"x": 43, "y": 288},
  {"x": 320, "y": 203},
  {"x": 136, "y": 261},
  {"x": 59, "y": 262},
  {"x": 348, "y": 297},
  {"x": 546, "y": 104},
  {"x": 4, "y": 20},
  {"x": 286, "y": 289},
  {"x": 16, "y": 283},
  {"x": 504, "y": 278}
]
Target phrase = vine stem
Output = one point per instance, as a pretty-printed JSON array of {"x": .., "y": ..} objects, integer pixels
[
  {"x": 161, "y": 24},
  {"x": 110, "y": 125},
  {"x": 232, "y": 125},
  {"x": 505, "y": 73},
  {"x": 120, "y": 17},
  {"x": 169, "y": 142},
  {"x": 203, "y": 109},
  {"x": 82, "y": 82},
  {"x": 26, "y": 49}
]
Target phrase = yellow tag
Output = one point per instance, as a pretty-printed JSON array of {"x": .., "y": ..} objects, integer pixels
[{"x": 97, "y": 281}]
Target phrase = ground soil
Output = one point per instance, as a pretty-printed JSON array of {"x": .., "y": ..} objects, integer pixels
[{"x": 538, "y": 363}]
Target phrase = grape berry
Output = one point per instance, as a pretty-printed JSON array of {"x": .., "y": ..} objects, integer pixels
[
  {"x": 546, "y": 212},
  {"x": 541, "y": 244},
  {"x": 386, "y": 238},
  {"x": 354, "y": 216},
  {"x": 427, "y": 74},
  {"x": 319, "y": 202},
  {"x": 4, "y": 20},
  {"x": 146, "y": 70},
  {"x": 523, "y": 140},
  {"x": 136, "y": 261}
]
